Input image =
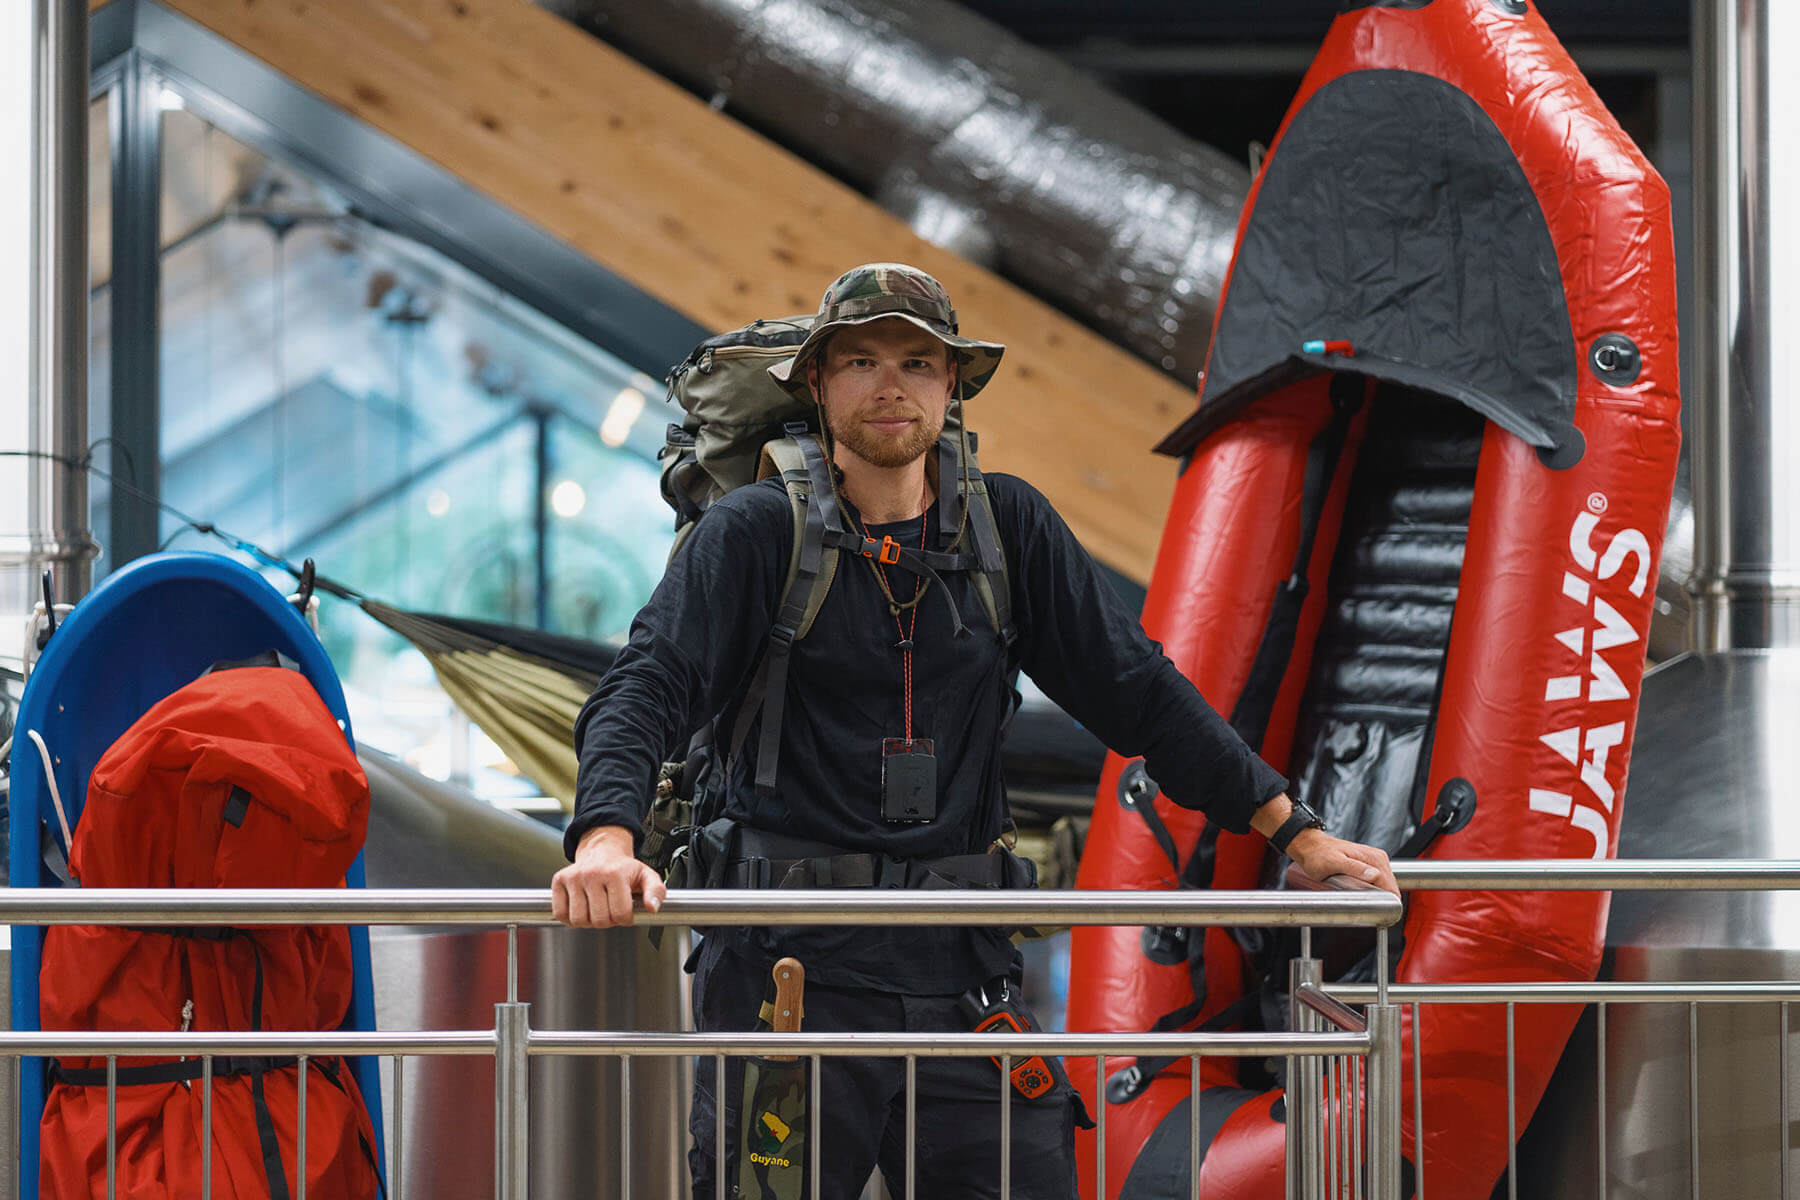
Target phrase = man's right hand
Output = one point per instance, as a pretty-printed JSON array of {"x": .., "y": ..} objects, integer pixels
[{"x": 597, "y": 890}]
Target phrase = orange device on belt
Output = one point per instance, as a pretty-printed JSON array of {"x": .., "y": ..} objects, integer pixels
[{"x": 998, "y": 1013}]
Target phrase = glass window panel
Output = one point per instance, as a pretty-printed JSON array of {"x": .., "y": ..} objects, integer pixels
[{"x": 332, "y": 390}]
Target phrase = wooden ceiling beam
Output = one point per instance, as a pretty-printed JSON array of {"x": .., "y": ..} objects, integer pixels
[{"x": 713, "y": 220}]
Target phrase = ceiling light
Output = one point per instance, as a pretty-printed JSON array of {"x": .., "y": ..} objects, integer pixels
[
  {"x": 568, "y": 498},
  {"x": 621, "y": 416}
]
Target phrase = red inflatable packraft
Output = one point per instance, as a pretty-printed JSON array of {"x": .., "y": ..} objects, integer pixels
[
  {"x": 1412, "y": 553},
  {"x": 241, "y": 779}
]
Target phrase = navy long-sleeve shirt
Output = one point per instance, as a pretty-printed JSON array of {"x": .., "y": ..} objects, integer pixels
[{"x": 695, "y": 645}]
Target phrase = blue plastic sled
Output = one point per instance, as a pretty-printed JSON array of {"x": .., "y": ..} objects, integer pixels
[{"x": 150, "y": 628}]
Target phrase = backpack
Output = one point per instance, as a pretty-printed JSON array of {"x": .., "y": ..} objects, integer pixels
[
  {"x": 742, "y": 427},
  {"x": 239, "y": 779}
]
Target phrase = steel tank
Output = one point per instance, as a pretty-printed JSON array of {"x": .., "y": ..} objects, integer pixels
[
  {"x": 427, "y": 834},
  {"x": 1698, "y": 1101}
]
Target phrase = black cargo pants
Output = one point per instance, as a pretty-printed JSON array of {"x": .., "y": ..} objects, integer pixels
[{"x": 862, "y": 1112}]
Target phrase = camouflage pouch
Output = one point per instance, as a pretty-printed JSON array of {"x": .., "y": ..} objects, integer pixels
[
  {"x": 772, "y": 1164},
  {"x": 773, "y": 1121}
]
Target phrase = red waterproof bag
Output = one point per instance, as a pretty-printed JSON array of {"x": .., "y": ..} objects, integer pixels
[{"x": 240, "y": 779}]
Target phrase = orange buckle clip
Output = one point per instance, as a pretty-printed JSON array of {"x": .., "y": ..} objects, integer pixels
[{"x": 890, "y": 550}]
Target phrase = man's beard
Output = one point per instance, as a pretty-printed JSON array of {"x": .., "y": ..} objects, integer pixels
[{"x": 889, "y": 449}]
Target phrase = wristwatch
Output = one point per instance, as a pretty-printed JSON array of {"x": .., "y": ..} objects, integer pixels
[{"x": 1300, "y": 818}]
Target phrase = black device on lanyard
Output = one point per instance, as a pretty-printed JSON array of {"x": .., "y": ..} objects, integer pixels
[
  {"x": 908, "y": 764},
  {"x": 908, "y": 780}
]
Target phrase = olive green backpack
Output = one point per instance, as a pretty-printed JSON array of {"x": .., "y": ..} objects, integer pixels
[{"x": 742, "y": 427}]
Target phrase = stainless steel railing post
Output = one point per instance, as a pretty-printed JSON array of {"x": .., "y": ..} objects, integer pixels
[
  {"x": 512, "y": 1100},
  {"x": 1305, "y": 1099},
  {"x": 1384, "y": 1102}
]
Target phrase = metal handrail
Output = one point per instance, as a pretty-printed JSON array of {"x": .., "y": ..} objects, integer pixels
[
  {"x": 511, "y": 1042},
  {"x": 51, "y": 1043},
  {"x": 950, "y": 1045},
  {"x": 1573, "y": 992},
  {"x": 531, "y": 906},
  {"x": 1612, "y": 875},
  {"x": 63, "y": 1043},
  {"x": 1332, "y": 1008}
]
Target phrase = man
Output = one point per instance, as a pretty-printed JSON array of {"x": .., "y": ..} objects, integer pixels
[{"x": 888, "y": 660}]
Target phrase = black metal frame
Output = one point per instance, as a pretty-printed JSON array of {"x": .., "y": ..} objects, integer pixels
[{"x": 138, "y": 47}]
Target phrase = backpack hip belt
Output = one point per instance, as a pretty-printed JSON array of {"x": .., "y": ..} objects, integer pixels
[{"x": 739, "y": 856}]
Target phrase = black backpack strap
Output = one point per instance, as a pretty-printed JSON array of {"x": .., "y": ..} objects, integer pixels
[
  {"x": 981, "y": 533},
  {"x": 950, "y": 499},
  {"x": 187, "y": 1070},
  {"x": 1250, "y": 717},
  {"x": 817, "y": 526}
]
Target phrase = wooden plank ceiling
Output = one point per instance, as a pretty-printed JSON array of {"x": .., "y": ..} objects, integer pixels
[{"x": 713, "y": 220}]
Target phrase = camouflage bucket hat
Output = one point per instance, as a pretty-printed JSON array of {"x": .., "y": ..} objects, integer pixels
[{"x": 876, "y": 291}]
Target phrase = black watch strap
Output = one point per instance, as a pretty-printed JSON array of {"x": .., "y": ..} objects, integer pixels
[{"x": 1300, "y": 818}]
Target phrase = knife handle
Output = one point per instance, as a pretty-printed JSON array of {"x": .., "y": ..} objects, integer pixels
[{"x": 790, "y": 984}]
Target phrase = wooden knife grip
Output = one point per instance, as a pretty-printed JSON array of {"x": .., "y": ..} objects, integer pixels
[{"x": 790, "y": 987}]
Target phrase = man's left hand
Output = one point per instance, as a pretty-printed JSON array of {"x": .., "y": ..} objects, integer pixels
[{"x": 1320, "y": 856}]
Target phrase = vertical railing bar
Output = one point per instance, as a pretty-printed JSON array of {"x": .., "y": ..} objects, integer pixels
[
  {"x": 206, "y": 1076},
  {"x": 1418, "y": 1074},
  {"x": 1327, "y": 1128},
  {"x": 1694, "y": 1099},
  {"x": 1378, "y": 1175},
  {"x": 1781, "y": 1157},
  {"x": 1194, "y": 1148},
  {"x": 1381, "y": 965},
  {"x": 1334, "y": 1125},
  {"x": 814, "y": 1097},
  {"x": 1006, "y": 1127},
  {"x": 1346, "y": 1106},
  {"x": 1600, "y": 1095},
  {"x": 1329, "y": 1092},
  {"x": 512, "y": 964},
  {"x": 512, "y": 1100},
  {"x": 1327, "y": 1147},
  {"x": 1099, "y": 1127},
  {"x": 1512, "y": 1110},
  {"x": 625, "y": 1127},
  {"x": 1293, "y": 1140},
  {"x": 300, "y": 1128},
  {"x": 397, "y": 1135},
  {"x": 112, "y": 1126},
  {"x": 912, "y": 1125},
  {"x": 719, "y": 1090},
  {"x": 1312, "y": 1146},
  {"x": 1359, "y": 1096}
]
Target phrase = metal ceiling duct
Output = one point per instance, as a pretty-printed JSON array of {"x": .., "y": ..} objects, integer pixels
[
  {"x": 1717, "y": 751},
  {"x": 984, "y": 144}
]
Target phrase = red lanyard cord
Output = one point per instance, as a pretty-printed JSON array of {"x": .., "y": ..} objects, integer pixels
[{"x": 905, "y": 631}]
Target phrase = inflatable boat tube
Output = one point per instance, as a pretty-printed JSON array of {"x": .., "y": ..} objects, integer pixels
[{"x": 1412, "y": 553}]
